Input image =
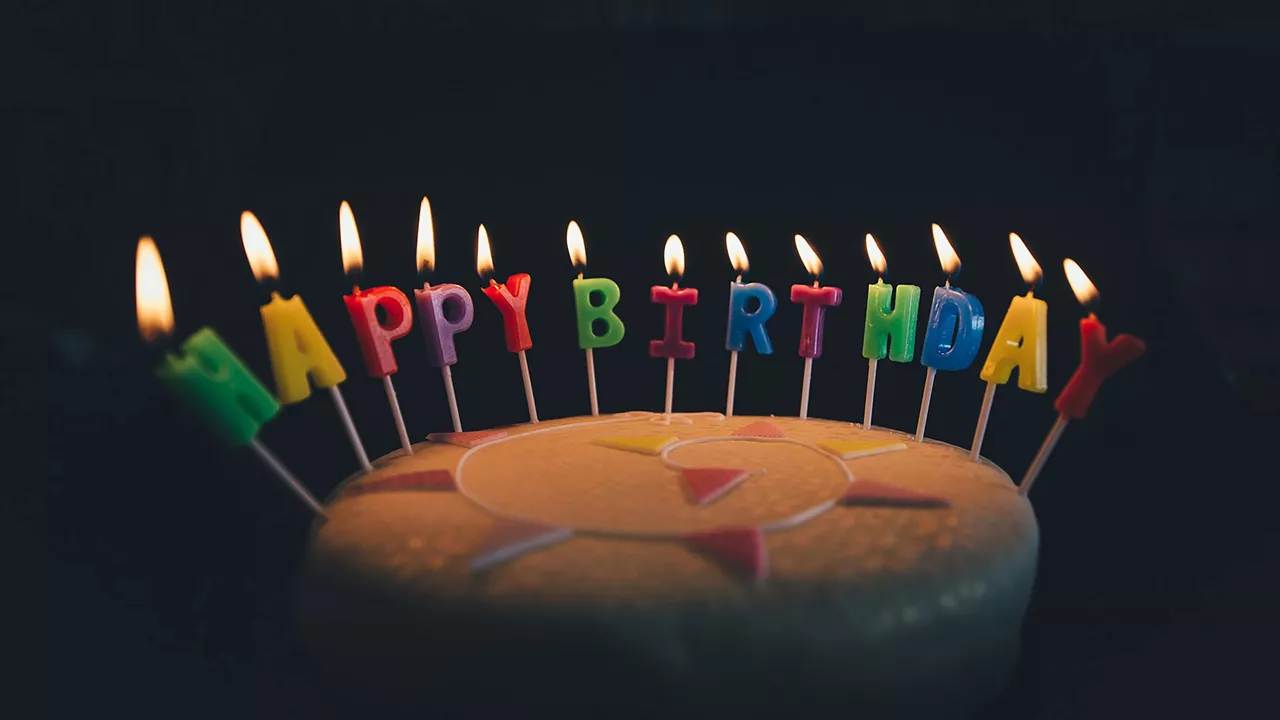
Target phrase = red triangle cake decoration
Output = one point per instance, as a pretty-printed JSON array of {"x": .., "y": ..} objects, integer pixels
[
  {"x": 421, "y": 480},
  {"x": 708, "y": 484},
  {"x": 869, "y": 493},
  {"x": 467, "y": 439},
  {"x": 739, "y": 550},
  {"x": 509, "y": 539},
  {"x": 760, "y": 428}
]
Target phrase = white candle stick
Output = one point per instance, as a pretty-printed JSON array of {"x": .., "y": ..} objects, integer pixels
[
  {"x": 591, "y": 382},
  {"x": 924, "y": 403},
  {"x": 671, "y": 385},
  {"x": 733, "y": 382},
  {"x": 447, "y": 374},
  {"x": 350, "y": 427},
  {"x": 1050, "y": 441},
  {"x": 804, "y": 388},
  {"x": 528, "y": 388},
  {"x": 289, "y": 480},
  {"x": 980, "y": 432},
  {"x": 871, "y": 394},
  {"x": 395, "y": 413}
]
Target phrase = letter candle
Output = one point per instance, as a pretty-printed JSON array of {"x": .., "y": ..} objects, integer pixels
[
  {"x": 510, "y": 298},
  {"x": 954, "y": 333},
  {"x": 1021, "y": 342},
  {"x": 1099, "y": 360},
  {"x": 675, "y": 298},
  {"x": 816, "y": 300},
  {"x": 891, "y": 333},
  {"x": 588, "y": 313},
  {"x": 444, "y": 310},
  {"x": 207, "y": 376},
  {"x": 741, "y": 321},
  {"x": 374, "y": 336},
  {"x": 300, "y": 356}
]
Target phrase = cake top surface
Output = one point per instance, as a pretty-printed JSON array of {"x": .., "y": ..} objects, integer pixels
[{"x": 632, "y": 509}]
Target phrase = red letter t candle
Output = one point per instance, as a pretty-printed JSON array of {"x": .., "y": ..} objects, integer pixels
[{"x": 816, "y": 300}]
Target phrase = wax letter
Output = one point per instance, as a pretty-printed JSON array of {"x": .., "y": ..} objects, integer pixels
[
  {"x": 299, "y": 353},
  {"x": 588, "y": 313},
  {"x": 1021, "y": 342},
  {"x": 742, "y": 323},
  {"x": 435, "y": 306},
  {"x": 672, "y": 344},
  {"x": 217, "y": 385},
  {"x": 954, "y": 334},
  {"x": 510, "y": 299},
  {"x": 898, "y": 326},
  {"x": 1099, "y": 360},
  {"x": 375, "y": 337}
]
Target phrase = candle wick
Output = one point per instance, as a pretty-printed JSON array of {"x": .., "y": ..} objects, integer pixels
[
  {"x": 815, "y": 283},
  {"x": 579, "y": 276},
  {"x": 739, "y": 280},
  {"x": 948, "y": 281}
]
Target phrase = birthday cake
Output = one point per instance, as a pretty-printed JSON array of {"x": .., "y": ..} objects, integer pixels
[{"x": 645, "y": 565}]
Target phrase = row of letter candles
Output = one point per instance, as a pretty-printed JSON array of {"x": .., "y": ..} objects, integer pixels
[{"x": 230, "y": 397}]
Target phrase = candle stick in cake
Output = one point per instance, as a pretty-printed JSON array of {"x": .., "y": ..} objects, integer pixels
[
  {"x": 889, "y": 332},
  {"x": 510, "y": 299},
  {"x": 742, "y": 321},
  {"x": 954, "y": 333},
  {"x": 1021, "y": 342},
  {"x": 1099, "y": 360},
  {"x": 444, "y": 311},
  {"x": 589, "y": 313},
  {"x": 300, "y": 356},
  {"x": 816, "y": 299},
  {"x": 375, "y": 336},
  {"x": 675, "y": 298},
  {"x": 206, "y": 375}
]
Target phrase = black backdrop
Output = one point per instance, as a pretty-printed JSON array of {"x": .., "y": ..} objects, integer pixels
[{"x": 1130, "y": 142}]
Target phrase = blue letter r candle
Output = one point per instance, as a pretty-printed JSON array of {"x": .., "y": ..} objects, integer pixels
[{"x": 743, "y": 322}]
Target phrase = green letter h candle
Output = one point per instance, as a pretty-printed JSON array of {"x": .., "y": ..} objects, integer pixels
[
  {"x": 891, "y": 333},
  {"x": 213, "y": 381}
]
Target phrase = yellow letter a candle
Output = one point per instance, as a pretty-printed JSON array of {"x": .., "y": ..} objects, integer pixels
[
  {"x": 1021, "y": 343},
  {"x": 299, "y": 353}
]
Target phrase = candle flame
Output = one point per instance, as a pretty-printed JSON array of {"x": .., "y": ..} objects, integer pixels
[
  {"x": 737, "y": 253},
  {"x": 426, "y": 238},
  {"x": 877, "y": 258},
  {"x": 1027, "y": 264},
  {"x": 484, "y": 256},
  {"x": 577, "y": 246},
  {"x": 673, "y": 257},
  {"x": 352, "y": 255},
  {"x": 810, "y": 258},
  {"x": 258, "y": 248},
  {"x": 155, "y": 310},
  {"x": 946, "y": 254},
  {"x": 1084, "y": 288}
]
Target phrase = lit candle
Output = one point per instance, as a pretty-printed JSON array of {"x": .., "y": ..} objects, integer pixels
[
  {"x": 510, "y": 299},
  {"x": 588, "y": 312},
  {"x": 362, "y": 305},
  {"x": 816, "y": 300},
  {"x": 675, "y": 298},
  {"x": 299, "y": 353},
  {"x": 954, "y": 334},
  {"x": 1021, "y": 342},
  {"x": 890, "y": 332},
  {"x": 744, "y": 322},
  {"x": 444, "y": 310},
  {"x": 207, "y": 376},
  {"x": 1099, "y": 360}
]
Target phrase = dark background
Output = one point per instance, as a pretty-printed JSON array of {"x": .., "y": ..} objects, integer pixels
[{"x": 1142, "y": 143}]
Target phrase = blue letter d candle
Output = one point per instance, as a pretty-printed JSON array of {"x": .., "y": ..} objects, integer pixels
[
  {"x": 954, "y": 333},
  {"x": 743, "y": 322}
]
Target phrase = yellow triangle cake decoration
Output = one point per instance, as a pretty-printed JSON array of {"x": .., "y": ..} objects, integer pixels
[
  {"x": 644, "y": 444},
  {"x": 849, "y": 449}
]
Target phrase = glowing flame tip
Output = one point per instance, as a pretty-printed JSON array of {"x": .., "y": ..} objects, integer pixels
[
  {"x": 811, "y": 261},
  {"x": 151, "y": 289},
  {"x": 426, "y": 251},
  {"x": 262, "y": 260},
  {"x": 352, "y": 255},
  {"x": 484, "y": 256},
  {"x": 947, "y": 256},
  {"x": 1086, "y": 292},
  {"x": 673, "y": 257},
  {"x": 577, "y": 245},
  {"x": 737, "y": 253},
  {"x": 876, "y": 257},
  {"x": 1027, "y": 265}
]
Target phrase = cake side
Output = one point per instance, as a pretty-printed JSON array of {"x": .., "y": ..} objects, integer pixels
[{"x": 892, "y": 594}]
